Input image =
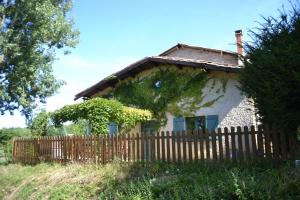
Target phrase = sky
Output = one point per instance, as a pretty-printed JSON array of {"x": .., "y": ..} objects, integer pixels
[{"x": 116, "y": 33}]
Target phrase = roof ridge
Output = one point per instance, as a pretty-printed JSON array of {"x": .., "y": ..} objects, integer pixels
[
  {"x": 195, "y": 60},
  {"x": 180, "y": 45}
]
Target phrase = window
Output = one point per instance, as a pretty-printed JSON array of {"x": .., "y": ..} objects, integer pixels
[
  {"x": 212, "y": 122},
  {"x": 209, "y": 122},
  {"x": 149, "y": 127},
  {"x": 195, "y": 123},
  {"x": 178, "y": 124},
  {"x": 113, "y": 128}
]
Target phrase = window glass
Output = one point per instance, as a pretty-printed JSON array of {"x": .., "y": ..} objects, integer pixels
[
  {"x": 113, "y": 128},
  {"x": 195, "y": 123},
  {"x": 149, "y": 126}
]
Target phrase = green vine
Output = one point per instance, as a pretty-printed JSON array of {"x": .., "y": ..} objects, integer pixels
[
  {"x": 165, "y": 89},
  {"x": 100, "y": 112}
]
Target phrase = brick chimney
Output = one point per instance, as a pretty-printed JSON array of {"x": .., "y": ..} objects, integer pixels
[{"x": 239, "y": 42}]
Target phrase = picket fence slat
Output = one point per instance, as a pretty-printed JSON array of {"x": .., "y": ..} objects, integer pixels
[
  {"x": 220, "y": 139},
  {"x": 191, "y": 146}
]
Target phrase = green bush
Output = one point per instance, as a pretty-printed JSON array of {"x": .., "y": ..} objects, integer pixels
[
  {"x": 99, "y": 112},
  {"x": 6, "y": 136}
]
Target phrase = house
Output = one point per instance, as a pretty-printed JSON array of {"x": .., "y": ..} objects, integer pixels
[{"x": 231, "y": 109}]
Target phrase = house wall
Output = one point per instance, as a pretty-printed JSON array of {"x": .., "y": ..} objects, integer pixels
[
  {"x": 233, "y": 109},
  {"x": 199, "y": 54}
]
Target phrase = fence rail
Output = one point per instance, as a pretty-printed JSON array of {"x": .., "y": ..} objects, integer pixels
[{"x": 236, "y": 144}]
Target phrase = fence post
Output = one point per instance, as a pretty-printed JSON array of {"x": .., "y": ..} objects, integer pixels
[
  {"x": 207, "y": 145},
  {"x": 233, "y": 145},
  {"x": 240, "y": 144},
  {"x": 220, "y": 140},
  {"x": 189, "y": 146},
  {"x": 260, "y": 141},
  {"x": 267, "y": 142},
  {"x": 173, "y": 146},
  {"x": 142, "y": 147},
  {"x": 65, "y": 148},
  {"x": 201, "y": 140},
  {"x": 152, "y": 146},
  {"x": 138, "y": 154},
  {"x": 196, "y": 137},
  {"x": 158, "y": 142},
  {"x": 214, "y": 144},
  {"x": 133, "y": 136},
  {"x": 168, "y": 146},
  {"x": 178, "y": 147},
  {"x": 163, "y": 146},
  {"x": 184, "y": 146},
  {"x": 129, "y": 146},
  {"x": 247, "y": 146}
]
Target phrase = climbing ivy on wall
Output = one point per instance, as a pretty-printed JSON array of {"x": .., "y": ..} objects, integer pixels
[{"x": 165, "y": 89}]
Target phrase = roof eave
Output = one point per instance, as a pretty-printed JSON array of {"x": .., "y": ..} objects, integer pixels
[{"x": 165, "y": 60}]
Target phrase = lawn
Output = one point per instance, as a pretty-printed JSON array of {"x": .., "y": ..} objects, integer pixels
[{"x": 150, "y": 181}]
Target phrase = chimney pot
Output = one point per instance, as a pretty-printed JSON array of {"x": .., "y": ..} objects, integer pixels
[{"x": 239, "y": 42}]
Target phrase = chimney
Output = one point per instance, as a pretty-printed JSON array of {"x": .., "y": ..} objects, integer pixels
[{"x": 239, "y": 42}]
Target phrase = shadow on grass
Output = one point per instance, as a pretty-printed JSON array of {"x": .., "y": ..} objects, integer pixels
[{"x": 204, "y": 180}]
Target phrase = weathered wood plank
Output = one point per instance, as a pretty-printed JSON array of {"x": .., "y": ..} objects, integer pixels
[
  {"x": 240, "y": 144},
  {"x": 207, "y": 145},
  {"x": 178, "y": 147},
  {"x": 173, "y": 147},
  {"x": 190, "y": 150},
  {"x": 168, "y": 146},
  {"x": 184, "y": 146},
  {"x": 247, "y": 145},
  {"x": 201, "y": 140},
  {"x": 214, "y": 144},
  {"x": 220, "y": 141}
]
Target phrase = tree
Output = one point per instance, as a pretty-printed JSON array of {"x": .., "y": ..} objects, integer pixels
[
  {"x": 271, "y": 75},
  {"x": 30, "y": 32},
  {"x": 40, "y": 124}
]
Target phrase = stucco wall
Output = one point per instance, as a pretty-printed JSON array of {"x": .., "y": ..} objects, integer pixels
[
  {"x": 222, "y": 58},
  {"x": 233, "y": 108}
]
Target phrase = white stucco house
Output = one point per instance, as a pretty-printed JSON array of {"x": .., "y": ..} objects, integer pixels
[{"x": 233, "y": 109}]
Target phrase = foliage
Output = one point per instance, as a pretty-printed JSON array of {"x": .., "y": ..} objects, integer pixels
[
  {"x": 30, "y": 32},
  {"x": 100, "y": 112},
  {"x": 40, "y": 124},
  {"x": 6, "y": 136},
  {"x": 272, "y": 70},
  {"x": 151, "y": 181},
  {"x": 77, "y": 128},
  {"x": 165, "y": 89}
]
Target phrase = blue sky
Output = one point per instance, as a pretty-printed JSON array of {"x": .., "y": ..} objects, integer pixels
[{"x": 116, "y": 33}]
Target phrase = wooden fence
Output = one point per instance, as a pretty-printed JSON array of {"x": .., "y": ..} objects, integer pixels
[{"x": 236, "y": 144}]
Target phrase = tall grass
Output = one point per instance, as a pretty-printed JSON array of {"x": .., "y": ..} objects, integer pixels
[{"x": 151, "y": 181}]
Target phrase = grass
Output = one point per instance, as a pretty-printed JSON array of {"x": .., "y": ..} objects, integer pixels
[{"x": 150, "y": 181}]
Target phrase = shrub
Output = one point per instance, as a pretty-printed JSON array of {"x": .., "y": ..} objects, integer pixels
[
  {"x": 99, "y": 112},
  {"x": 6, "y": 136}
]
